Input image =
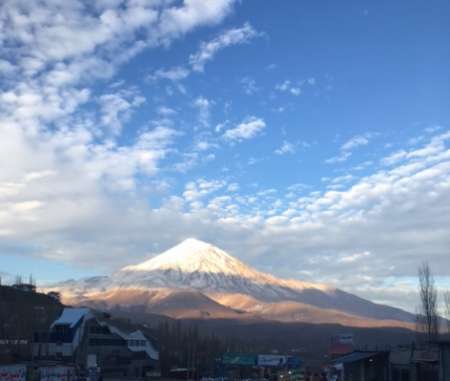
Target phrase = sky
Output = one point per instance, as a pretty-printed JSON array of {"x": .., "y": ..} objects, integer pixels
[{"x": 310, "y": 139}]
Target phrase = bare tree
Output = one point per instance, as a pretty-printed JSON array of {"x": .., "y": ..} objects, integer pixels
[
  {"x": 447, "y": 309},
  {"x": 428, "y": 316}
]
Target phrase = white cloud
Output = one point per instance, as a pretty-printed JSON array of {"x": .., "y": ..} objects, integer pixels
[
  {"x": 287, "y": 86},
  {"x": 208, "y": 50},
  {"x": 176, "y": 73},
  {"x": 203, "y": 106},
  {"x": 63, "y": 187},
  {"x": 355, "y": 141},
  {"x": 179, "y": 20},
  {"x": 343, "y": 156},
  {"x": 75, "y": 195},
  {"x": 436, "y": 145},
  {"x": 196, "y": 190},
  {"x": 233, "y": 187},
  {"x": 295, "y": 88},
  {"x": 166, "y": 111},
  {"x": 205, "y": 145},
  {"x": 247, "y": 129},
  {"x": 116, "y": 109},
  {"x": 26, "y": 206},
  {"x": 286, "y": 148},
  {"x": 191, "y": 159},
  {"x": 249, "y": 86},
  {"x": 347, "y": 148},
  {"x": 354, "y": 257},
  {"x": 219, "y": 127}
]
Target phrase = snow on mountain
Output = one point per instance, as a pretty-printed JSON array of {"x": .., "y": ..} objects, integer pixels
[
  {"x": 193, "y": 255},
  {"x": 194, "y": 267},
  {"x": 199, "y": 265}
]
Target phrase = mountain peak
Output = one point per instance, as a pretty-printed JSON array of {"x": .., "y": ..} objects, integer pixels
[
  {"x": 193, "y": 244},
  {"x": 211, "y": 266},
  {"x": 193, "y": 255}
]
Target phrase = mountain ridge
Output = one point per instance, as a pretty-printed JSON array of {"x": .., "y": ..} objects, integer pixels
[{"x": 196, "y": 267}]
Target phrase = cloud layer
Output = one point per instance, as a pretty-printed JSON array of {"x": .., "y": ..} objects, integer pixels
[{"x": 78, "y": 186}]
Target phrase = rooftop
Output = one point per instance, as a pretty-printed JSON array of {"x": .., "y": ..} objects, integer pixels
[{"x": 71, "y": 316}]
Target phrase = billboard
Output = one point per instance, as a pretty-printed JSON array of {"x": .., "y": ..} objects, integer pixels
[
  {"x": 57, "y": 373},
  {"x": 13, "y": 373},
  {"x": 272, "y": 360},
  {"x": 238, "y": 359}
]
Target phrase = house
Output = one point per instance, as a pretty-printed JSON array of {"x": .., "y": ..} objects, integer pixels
[
  {"x": 93, "y": 340},
  {"x": 64, "y": 337},
  {"x": 120, "y": 348}
]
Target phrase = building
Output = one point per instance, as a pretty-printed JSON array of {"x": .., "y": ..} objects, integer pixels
[
  {"x": 444, "y": 369},
  {"x": 64, "y": 337},
  {"x": 120, "y": 348},
  {"x": 94, "y": 340},
  {"x": 400, "y": 361},
  {"x": 363, "y": 366},
  {"x": 428, "y": 362},
  {"x": 27, "y": 287}
]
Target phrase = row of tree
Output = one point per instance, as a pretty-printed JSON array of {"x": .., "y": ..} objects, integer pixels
[{"x": 183, "y": 346}]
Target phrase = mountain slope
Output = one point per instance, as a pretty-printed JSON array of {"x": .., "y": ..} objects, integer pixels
[
  {"x": 199, "y": 267},
  {"x": 169, "y": 302}
]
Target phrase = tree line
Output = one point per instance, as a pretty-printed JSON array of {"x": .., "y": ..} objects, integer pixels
[{"x": 183, "y": 346}]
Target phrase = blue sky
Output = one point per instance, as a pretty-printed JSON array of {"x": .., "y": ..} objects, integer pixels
[{"x": 309, "y": 139}]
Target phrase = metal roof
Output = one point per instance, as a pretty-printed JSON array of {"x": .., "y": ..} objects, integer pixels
[
  {"x": 71, "y": 316},
  {"x": 355, "y": 356}
]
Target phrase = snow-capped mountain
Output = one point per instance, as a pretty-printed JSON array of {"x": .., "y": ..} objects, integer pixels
[
  {"x": 194, "y": 264},
  {"x": 194, "y": 267}
]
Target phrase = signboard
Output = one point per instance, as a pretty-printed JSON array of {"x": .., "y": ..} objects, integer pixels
[
  {"x": 346, "y": 338},
  {"x": 57, "y": 373},
  {"x": 238, "y": 359},
  {"x": 13, "y": 373},
  {"x": 272, "y": 360}
]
